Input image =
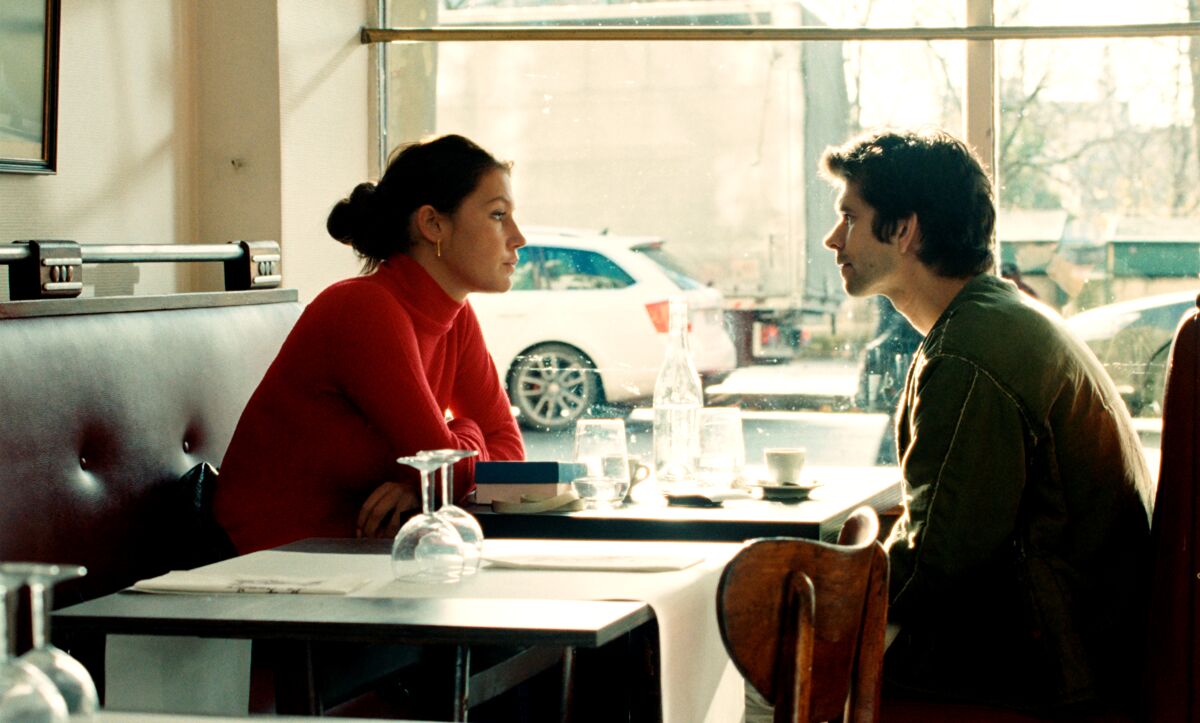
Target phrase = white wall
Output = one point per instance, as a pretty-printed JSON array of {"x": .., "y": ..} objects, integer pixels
[
  {"x": 237, "y": 125},
  {"x": 326, "y": 132},
  {"x": 182, "y": 121},
  {"x": 125, "y": 139}
]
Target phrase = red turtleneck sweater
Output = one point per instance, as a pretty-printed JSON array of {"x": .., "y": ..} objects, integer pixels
[{"x": 365, "y": 376}]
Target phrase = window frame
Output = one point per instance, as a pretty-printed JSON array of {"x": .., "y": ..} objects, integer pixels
[{"x": 980, "y": 33}]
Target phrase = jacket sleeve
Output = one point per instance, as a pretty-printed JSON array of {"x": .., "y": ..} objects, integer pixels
[{"x": 965, "y": 469}]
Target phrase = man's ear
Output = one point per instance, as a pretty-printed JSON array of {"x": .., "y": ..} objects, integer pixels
[
  {"x": 429, "y": 223},
  {"x": 907, "y": 235}
]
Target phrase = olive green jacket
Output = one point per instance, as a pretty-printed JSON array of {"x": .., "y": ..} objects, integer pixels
[{"x": 1020, "y": 574}]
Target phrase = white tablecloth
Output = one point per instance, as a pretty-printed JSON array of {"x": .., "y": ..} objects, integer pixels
[{"x": 699, "y": 682}]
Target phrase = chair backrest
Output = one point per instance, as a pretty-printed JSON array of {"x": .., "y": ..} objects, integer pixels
[
  {"x": 1173, "y": 645},
  {"x": 804, "y": 621}
]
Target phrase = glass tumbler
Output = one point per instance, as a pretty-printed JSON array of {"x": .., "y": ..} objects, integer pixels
[
  {"x": 600, "y": 446},
  {"x": 722, "y": 448}
]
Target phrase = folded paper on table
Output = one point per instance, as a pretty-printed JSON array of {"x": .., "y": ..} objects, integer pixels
[
  {"x": 532, "y": 504},
  {"x": 615, "y": 563},
  {"x": 187, "y": 581},
  {"x": 703, "y": 497}
]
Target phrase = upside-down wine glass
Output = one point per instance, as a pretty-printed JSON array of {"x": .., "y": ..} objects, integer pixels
[
  {"x": 26, "y": 694},
  {"x": 67, "y": 673},
  {"x": 463, "y": 521},
  {"x": 427, "y": 548}
]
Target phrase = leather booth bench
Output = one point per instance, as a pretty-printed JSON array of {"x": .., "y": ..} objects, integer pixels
[
  {"x": 107, "y": 403},
  {"x": 104, "y": 404}
]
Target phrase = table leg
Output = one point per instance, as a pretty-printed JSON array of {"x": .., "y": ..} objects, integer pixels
[
  {"x": 568, "y": 683},
  {"x": 296, "y": 690},
  {"x": 462, "y": 679}
]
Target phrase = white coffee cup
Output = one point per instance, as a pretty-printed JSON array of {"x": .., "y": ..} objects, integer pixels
[{"x": 784, "y": 464}]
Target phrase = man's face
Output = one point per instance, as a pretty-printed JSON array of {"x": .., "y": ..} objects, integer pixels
[{"x": 867, "y": 264}]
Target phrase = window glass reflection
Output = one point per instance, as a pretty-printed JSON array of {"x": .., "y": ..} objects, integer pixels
[{"x": 713, "y": 146}]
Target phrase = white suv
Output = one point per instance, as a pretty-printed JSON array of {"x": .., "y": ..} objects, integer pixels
[{"x": 585, "y": 324}]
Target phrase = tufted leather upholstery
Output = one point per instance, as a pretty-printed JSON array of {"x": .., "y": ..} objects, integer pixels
[{"x": 100, "y": 414}]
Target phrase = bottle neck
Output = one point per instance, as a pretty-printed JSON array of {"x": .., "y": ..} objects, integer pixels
[{"x": 678, "y": 332}]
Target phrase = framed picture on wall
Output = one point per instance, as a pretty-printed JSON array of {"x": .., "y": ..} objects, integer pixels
[{"x": 28, "y": 85}]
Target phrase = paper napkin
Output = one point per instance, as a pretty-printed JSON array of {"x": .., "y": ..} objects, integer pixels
[
  {"x": 197, "y": 582},
  {"x": 614, "y": 563}
]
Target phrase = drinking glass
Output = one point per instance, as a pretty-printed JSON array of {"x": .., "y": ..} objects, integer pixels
[
  {"x": 26, "y": 694},
  {"x": 600, "y": 446},
  {"x": 427, "y": 548},
  {"x": 463, "y": 521},
  {"x": 722, "y": 449},
  {"x": 67, "y": 673}
]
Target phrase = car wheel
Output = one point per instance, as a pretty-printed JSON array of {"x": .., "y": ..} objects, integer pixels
[{"x": 553, "y": 385}]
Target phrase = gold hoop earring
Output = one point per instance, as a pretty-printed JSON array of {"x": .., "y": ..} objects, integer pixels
[{"x": 439, "y": 248}]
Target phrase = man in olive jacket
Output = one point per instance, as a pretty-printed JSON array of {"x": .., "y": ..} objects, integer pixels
[{"x": 1016, "y": 578}]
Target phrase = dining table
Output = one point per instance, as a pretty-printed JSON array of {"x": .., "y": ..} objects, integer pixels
[
  {"x": 833, "y": 493},
  {"x": 189, "y": 652}
]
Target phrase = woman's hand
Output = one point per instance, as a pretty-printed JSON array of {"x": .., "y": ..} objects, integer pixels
[{"x": 381, "y": 514}]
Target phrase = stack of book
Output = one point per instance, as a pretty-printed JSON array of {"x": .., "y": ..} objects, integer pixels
[{"x": 513, "y": 481}]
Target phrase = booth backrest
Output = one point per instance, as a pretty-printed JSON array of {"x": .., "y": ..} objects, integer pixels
[{"x": 104, "y": 404}]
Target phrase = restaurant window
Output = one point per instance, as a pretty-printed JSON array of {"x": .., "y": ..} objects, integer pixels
[{"x": 710, "y": 145}]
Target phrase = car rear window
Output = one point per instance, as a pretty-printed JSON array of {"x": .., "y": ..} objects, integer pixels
[
  {"x": 578, "y": 270},
  {"x": 671, "y": 267}
]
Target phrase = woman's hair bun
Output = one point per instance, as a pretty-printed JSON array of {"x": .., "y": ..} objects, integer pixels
[
  {"x": 439, "y": 172},
  {"x": 352, "y": 219}
]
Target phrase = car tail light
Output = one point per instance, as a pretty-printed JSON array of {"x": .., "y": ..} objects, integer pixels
[{"x": 660, "y": 316}]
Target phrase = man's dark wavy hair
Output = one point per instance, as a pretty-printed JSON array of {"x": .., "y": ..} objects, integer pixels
[{"x": 933, "y": 175}]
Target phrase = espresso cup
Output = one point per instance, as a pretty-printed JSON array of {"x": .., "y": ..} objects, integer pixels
[{"x": 784, "y": 464}]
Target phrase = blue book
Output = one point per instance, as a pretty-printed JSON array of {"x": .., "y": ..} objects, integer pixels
[{"x": 527, "y": 472}]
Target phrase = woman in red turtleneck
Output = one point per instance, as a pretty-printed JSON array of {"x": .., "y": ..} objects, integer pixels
[{"x": 385, "y": 364}]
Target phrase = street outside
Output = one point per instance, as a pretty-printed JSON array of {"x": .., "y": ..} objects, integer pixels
[
  {"x": 802, "y": 388},
  {"x": 789, "y": 405}
]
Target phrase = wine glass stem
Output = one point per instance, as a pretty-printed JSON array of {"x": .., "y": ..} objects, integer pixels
[
  {"x": 39, "y": 611},
  {"x": 446, "y": 468},
  {"x": 427, "y": 492}
]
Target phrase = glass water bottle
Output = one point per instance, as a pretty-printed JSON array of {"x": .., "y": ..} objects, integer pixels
[{"x": 678, "y": 398}]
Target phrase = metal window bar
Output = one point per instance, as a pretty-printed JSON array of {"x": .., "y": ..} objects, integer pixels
[
  {"x": 980, "y": 107},
  {"x": 758, "y": 33},
  {"x": 45, "y": 269}
]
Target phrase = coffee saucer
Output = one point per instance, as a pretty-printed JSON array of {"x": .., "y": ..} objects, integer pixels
[{"x": 785, "y": 493}]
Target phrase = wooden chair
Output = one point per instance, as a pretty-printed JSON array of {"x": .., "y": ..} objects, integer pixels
[
  {"x": 1173, "y": 638},
  {"x": 804, "y": 622}
]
